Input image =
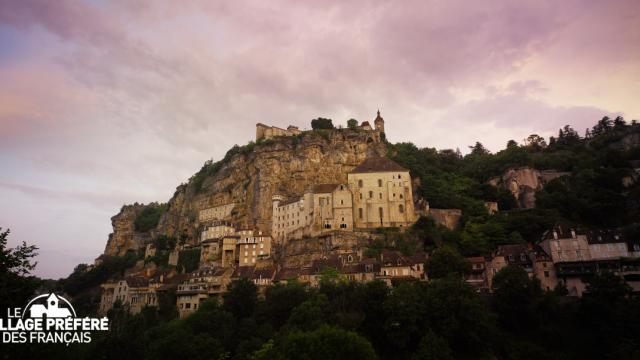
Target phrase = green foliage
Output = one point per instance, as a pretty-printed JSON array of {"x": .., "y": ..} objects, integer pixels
[
  {"x": 516, "y": 297},
  {"x": 323, "y": 343},
  {"x": 16, "y": 264},
  {"x": 188, "y": 260},
  {"x": 446, "y": 261},
  {"x": 433, "y": 347},
  {"x": 211, "y": 168},
  {"x": 161, "y": 259},
  {"x": 82, "y": 279},
  {"x": 352, "y": 124},
  {"x": 321, "y": 124},
  {"x": 442, "y": 319},
  {"x": 241, "y": 298},
  {"x": 148, "y": 218},
  {"x": 164, "y": 242}
]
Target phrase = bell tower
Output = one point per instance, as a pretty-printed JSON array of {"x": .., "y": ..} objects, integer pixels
[{"x": 379, "y": 123}]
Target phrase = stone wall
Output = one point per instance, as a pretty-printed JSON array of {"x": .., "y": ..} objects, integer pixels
[
  {"x": 523, "y": 183},
  {"x": 450, "y": 218}
]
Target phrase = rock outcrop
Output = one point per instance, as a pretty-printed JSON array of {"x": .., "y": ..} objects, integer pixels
[
  {"x": 249, "y": 179},
  {"x": 125, "y": 237},
  {"x": 524, "y": 182}
]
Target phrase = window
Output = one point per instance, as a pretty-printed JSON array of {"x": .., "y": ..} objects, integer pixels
[
  {"x": 341, "y": 202},
  {"x": 370, "y": 194},
  {"x": 360, "y": 213},
  {"x": 380, "y": 195},
  {"x": 546, "y": 274},
  {"x": 360, "y": 196},
  {"x": 401, "y": 208},
  {"x": 399, "y": 177},
  {"x": 359, "y": 183},
  {"x": 401, "y": 196},
  {"x": 380, "y": 213},
  {"x": 379, "y": 182}
]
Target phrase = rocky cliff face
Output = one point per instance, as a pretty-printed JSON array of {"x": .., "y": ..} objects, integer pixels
[
  {"x": 124, "y": 236},
  {"x": 524, "y": 182},
  {"x": 285, "y": 165}
]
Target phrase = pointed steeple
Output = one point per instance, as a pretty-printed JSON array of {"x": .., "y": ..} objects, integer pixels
[{"x": 379, "y": 122}]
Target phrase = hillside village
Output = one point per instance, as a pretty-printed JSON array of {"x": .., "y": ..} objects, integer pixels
[{"x": 315, "y": 230}]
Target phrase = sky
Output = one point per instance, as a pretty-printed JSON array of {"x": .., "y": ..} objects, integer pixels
[{"x": 104, "y": 103}]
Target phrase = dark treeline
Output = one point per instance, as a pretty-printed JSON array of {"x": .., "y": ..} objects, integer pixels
[{"x": 441, "y": 319}]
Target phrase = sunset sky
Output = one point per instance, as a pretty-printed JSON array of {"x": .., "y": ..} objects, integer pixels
[{"x": 110, "y": 102}]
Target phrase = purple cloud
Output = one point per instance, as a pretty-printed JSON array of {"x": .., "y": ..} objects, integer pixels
[{"x": 122, "y": 101}]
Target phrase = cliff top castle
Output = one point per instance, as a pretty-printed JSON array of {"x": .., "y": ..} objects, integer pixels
[{"x": 265, "y": 132}]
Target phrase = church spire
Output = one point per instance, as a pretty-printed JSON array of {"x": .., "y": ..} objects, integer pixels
[{"x": 379, "y": 122}]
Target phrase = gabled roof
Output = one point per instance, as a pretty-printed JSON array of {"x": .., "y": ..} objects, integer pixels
[
  {"x": 377, "y": 164},
  {"x": 137, "y": 281},
  {"x": 562, "y": 230}
]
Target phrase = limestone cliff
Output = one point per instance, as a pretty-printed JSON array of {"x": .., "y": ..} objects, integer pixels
[
  {"x": 124, "y": 236},
  {"x": 523, "y": 183},
  {"x": 248, "y": 179}
]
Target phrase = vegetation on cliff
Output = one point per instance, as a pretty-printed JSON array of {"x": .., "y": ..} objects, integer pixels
[
  {"x": 596, "y": 194},
  {"x": 149, "y": 217}
]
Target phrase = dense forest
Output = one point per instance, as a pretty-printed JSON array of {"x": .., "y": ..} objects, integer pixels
[
  {"x": 594, "y": 195},
  {"x": 441, "y": 319}
]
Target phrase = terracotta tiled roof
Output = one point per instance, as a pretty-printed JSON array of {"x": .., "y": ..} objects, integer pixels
[
  {"x": 377, "y": 164},
  {"x": 263, "y": 273},
  {"x": 513, "y": 253},
  {"x": 289, "y": 201},
  {"x": 287, "y": 274},
  {"x": 243, "y": 272},
  {"x": 475, "y": 259},
  {"x": 137, "y": 281},
  {"x": 324, "y": 188}
]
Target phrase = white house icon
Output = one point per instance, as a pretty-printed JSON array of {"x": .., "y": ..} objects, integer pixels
[{"x": 51, "y": 310}]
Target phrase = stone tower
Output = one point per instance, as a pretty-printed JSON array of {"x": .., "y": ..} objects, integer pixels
[{"x": 379, "y": 123}]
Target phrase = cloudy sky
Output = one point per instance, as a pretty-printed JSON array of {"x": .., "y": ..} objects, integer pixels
[{"x": 111, "y": 102}]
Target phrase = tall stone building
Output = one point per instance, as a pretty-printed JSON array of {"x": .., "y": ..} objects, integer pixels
[
  {"x": 382, "y": 194},
  {"x": 378, "y": 193}
]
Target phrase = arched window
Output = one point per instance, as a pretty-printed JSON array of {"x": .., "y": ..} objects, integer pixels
[
  {"x": 401, "y": 208},
  {"x": 370, "y": 194},
  {"x": 380, "y": 213},
  {"x": 379, "y": 182},
  {"x": 359, "y": 183},
  {"x": 360, "y": 213}
]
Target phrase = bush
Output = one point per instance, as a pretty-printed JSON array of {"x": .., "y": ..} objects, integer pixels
[
  {"x": 149, "y": 217},
  {"x": 321, "y": 123}
]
